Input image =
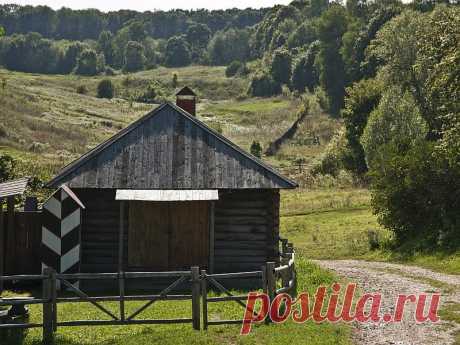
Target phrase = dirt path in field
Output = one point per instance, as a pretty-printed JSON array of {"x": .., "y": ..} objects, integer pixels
[{"x": 391, "y": 280}]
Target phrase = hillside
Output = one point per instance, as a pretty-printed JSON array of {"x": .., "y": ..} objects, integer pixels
[{"x": 45, "y": 120}]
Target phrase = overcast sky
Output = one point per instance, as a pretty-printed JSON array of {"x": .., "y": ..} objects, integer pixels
[{"x": 144, "y": 5}]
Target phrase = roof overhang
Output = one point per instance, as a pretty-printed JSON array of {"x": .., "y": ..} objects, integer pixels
[
  {"x": 167, "y": 195},
  {"x": 15, "y": 187}
]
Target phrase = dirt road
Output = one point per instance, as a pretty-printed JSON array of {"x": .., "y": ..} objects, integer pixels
[{"x": 391, "y": 280}]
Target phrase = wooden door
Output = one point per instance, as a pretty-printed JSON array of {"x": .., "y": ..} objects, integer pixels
[
  {"x": 148, "y": 235},
  {"x": 189, "y": 240},
  {"x": 168, "y": 235}
]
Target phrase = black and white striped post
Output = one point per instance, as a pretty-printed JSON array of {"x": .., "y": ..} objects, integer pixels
[{"x": 61, "y": 232}]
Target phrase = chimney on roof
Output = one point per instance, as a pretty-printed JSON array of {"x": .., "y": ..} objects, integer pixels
[{"x": 186, "y": 99}]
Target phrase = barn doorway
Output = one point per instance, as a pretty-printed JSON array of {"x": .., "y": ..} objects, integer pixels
[{"x": 168, "y": 235}]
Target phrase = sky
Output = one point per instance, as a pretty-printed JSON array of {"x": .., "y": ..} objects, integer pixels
[{"x": 145, "y": 5}]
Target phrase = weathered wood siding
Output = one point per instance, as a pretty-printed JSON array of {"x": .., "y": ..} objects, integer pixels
[
  {"x": 22, "y": 244},
  {"x": 169, "y": 150},
  {"x": 246, "y": 229},
  {"x": 100, "y": 227}
]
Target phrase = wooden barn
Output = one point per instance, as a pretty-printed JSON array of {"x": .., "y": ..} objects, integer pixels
[{"x": 166, "y": 193}]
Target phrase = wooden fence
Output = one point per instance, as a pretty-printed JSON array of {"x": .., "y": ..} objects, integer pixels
[
  {"x": 273, "y": 280},
  {"x": 22, "y": 240}
]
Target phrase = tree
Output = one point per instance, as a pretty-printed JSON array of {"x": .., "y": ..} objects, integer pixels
[
  {"x": 281, "y": 66},
  {"x": 305, "y": 74},
  {"x": 134, "y": 57},
  {"x": 30, "y": 53},
  {"x": 177, "y": 52},
  {"x": 87, "y": 63},
  {"x": 228, "y": 46},
  {"x": 303, "y": 36},
  {"x": 2, "y": 31},
  {"x": 105, "y": 89},
  {"x": 137, "y": 31},
  {"x": 106, "y": 46},
  {"x": 396, "y": 120},
  {"x": 331, "y": 27},
  {"x": 263, "y": 85},
  {"x": 362, "y": 98},
  {"x": 256, "y": 149},
  {"x": 198, "y": 35},
  {"x": 69, "y": 59}
]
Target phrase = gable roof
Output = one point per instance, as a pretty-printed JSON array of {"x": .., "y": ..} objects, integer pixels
[
  {"x": 185, "y": 91},
  {"x": 169, "y": 149}
]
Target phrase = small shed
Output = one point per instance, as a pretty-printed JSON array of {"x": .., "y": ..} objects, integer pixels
[{"x": 182, "y": 195}]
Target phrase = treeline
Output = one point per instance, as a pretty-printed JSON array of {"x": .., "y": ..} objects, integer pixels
[
  {"x": 402, "y": 122},
  {"x": 134, "y": 44},
  {"x": 80, "y": 25}
]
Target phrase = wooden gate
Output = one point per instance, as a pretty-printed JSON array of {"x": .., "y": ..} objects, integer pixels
[{"x": 22, "y": 244}]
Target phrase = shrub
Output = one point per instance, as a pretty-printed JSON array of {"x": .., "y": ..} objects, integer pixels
[
  {"x": 82, "y": 89},
  {"x": 256, "y": 149},
  {"x": 7, "y": 165},
  {"x": 149, "y": 95},
  {"x": 263, "y": 85},
  {"x": 105, "y": 89},
  {"x": 233, "y": 68},
  {"x": 416, "y": 197}
]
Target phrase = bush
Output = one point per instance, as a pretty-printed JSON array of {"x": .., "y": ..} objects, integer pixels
[
  {"x": 149, "y": 95},
  {"x": 105, "y": 89},
  {"x": 233, "y": 68},
  {"x": 416, "y": 196},
  {"x": 7, "y": 165},
  {"x": 263, "y": 85},
  {"x": 256, "y": 149},
  {"x": 82, "y": 89},
  {"x": 332, "y": 161}
]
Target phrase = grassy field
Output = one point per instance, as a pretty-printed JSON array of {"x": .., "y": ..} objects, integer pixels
[
  {"x": 339, "y": 224},
  {"x": 310, "y": 276}
]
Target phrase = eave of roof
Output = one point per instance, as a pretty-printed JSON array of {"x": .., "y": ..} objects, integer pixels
[
  {"x": 85, "y": 157},
  {"x": 14, "y": 187}
]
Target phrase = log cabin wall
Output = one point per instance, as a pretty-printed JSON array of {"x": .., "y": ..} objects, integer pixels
[
  {"x": 100, "y": 228},
  {"x": 246, "y": 229}
]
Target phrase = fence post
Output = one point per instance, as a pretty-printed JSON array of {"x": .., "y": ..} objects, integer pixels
[
  {"x": 48, "y": 305},
  {"x": 204, "y": 297},
  {"x": 271, "y": 283},
  {"x": 54, "y": 284},
  {"x": 196, "y": 287}
]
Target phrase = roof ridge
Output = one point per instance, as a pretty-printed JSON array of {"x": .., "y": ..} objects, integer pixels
[{"x": 99, "y": 148}]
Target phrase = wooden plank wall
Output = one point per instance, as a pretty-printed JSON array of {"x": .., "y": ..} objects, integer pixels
[
  {"x": 246, "y": 229},
  {"x": 100, "y": 227},
  {"x": 170, "y": 151},
  {"x": 22, "y": 244}
]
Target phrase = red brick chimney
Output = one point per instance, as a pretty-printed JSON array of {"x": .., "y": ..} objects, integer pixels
[{"x": 186, "y": 99}]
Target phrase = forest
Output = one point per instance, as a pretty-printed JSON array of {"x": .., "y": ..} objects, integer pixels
[{"x": 390, "y": 71}]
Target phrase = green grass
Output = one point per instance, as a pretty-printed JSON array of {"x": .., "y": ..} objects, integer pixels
[
  {"x": 335, "y": 224},
  {"x": 451, "y": 312},
  {"x": 310, "y": 276}
]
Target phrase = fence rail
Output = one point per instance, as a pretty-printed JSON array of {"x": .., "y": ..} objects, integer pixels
[{"x": 273, "y": 280}]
